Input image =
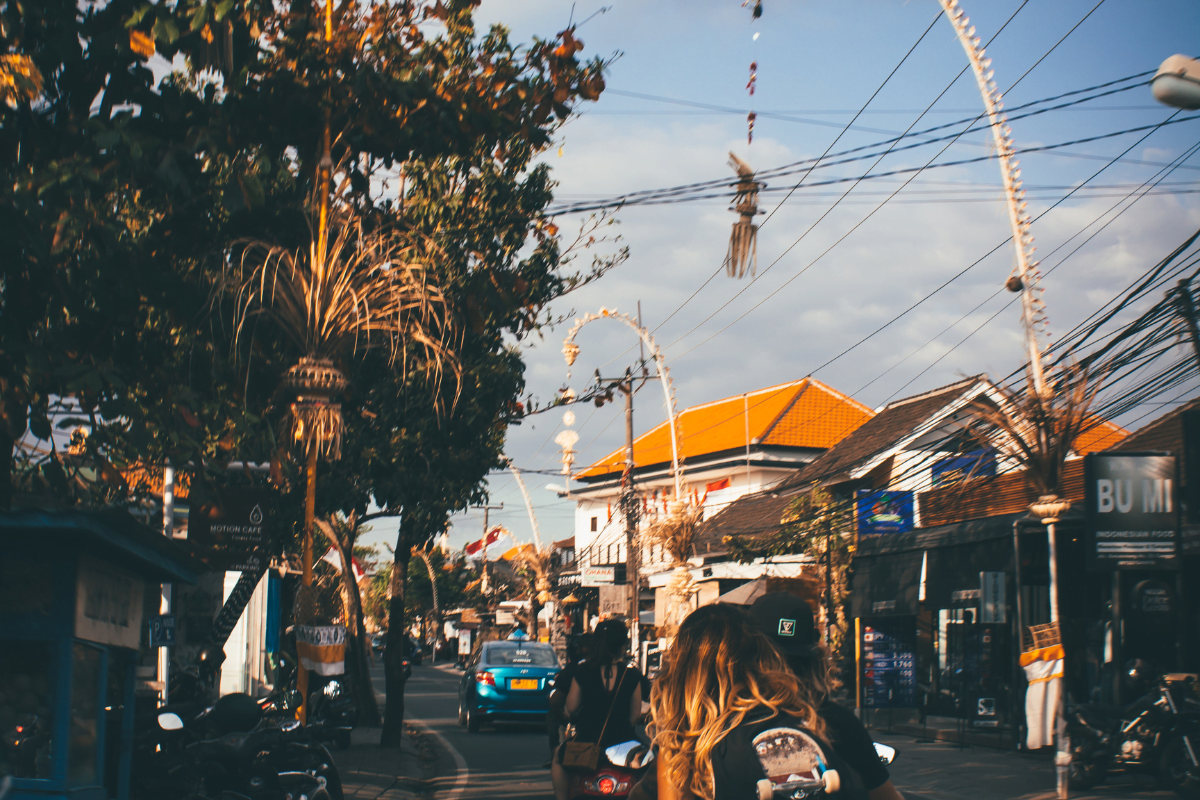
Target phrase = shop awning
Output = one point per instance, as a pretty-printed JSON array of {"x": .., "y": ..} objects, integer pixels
[{"x": 745, "y": 594}]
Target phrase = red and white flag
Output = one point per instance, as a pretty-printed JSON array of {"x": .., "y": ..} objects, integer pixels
[
  {"x": 334, "y": 559},
  {"x": 492, "y": 537}
]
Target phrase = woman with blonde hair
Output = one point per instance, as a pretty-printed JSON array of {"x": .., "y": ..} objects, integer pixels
[{"x": 728, "y": 715}]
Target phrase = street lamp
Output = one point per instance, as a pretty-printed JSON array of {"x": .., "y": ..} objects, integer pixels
[{"x": 1177, "y": 83}]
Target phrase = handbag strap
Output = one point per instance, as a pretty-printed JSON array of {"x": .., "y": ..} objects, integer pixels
[{"x": 616, "y": 694}]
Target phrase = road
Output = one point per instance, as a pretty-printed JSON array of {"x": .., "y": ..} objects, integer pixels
[{"x": 502, "y": 762}]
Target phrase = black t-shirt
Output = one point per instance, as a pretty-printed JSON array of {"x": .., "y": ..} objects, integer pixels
[
  {"x": 591, "y": 717},
  {"x": 852, "y": 747},
  {"x": 778, "y": 748},
  {"x": 853, "y": 744}
]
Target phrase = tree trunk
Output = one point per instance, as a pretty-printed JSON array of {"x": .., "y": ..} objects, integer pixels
[
  {"x": 364, "y": 689},
  {"x": 6, "y": 470},
  {"x": 393, "y": 650}
]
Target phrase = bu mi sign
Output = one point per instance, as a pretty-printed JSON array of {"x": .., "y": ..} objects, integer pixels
[{"x": 1132, "y": 513}]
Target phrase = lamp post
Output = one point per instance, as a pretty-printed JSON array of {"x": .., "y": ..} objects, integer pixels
[{"x": 1177, "y": 83}]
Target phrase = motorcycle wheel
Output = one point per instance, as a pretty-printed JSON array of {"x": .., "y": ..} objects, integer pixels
[
  {"x": 1176, "y": 770},
  {"x": 1086, "y": 768}
]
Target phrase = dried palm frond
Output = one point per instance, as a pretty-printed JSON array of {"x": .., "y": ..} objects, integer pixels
[
  {"x": 367, "y": 289},
  {"x": 1037, "y": 431},
  {"x": 539, "y": 563},
  {"x": 677, "y": 531}
]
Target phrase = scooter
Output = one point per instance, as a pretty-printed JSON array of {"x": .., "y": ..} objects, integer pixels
[{"x": 620, "y": 768}]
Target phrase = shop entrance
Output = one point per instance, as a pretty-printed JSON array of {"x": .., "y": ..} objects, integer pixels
[{"x": 972, "y": 674}]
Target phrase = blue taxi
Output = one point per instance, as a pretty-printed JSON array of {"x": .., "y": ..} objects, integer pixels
[{"x": 507, "y": 681}]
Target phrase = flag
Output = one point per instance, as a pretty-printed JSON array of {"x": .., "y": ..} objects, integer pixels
[
  {"x": 334, "y": 559},
  {"x": 492, "y": 537}
]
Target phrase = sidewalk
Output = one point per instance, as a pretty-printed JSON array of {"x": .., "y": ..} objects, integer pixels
[
  {"x": 371, "y": 772},
  {"x": 941, "y": 771}
]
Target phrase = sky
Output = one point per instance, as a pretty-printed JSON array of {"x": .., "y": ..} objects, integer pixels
[{"x": 676, "y": 104}]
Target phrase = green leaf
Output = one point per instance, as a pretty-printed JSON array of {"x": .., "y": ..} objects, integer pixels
[
  {"x": 223, "y": 9},
  {"x": 165, "y": 30},
  {"x": 138, "y": 16},
  {"x": 199, "y": 17}
]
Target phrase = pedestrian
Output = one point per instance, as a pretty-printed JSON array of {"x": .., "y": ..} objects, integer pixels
[
  {"x": 604, "y": 699},
  {"x": 556, "y": 717},
  {"x": 788, "y": 621},
  {"x": 721, "y": 705}
]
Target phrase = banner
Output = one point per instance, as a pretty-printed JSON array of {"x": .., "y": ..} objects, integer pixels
[
  {"x": 322, "y": 648},
  {"x": 1132, "y": 511},
  {"x": 883, "y": 511}
]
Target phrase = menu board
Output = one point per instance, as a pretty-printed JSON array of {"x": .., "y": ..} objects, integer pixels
[{"x": 889, "y": 662}]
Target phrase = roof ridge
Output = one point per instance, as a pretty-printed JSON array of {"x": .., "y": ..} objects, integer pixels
[
  {"x": 843, "y": 396},
  {"x": 776, "y": 388},
  {"x": 940, "y": 390},
  {"x": 1149, "y": 426},
  {"x": 805, "y": 385}
]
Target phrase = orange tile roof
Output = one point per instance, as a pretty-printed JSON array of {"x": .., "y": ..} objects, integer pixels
[
  {"x": 1100, "y": 436},
  {"x": 803, "y": 413}
]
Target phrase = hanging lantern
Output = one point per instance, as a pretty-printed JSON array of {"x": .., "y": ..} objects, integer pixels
[
  {"x": 570, "y": 351},
  {"x": 317, "y": 420},
  {"x": 742, "y": 256}
]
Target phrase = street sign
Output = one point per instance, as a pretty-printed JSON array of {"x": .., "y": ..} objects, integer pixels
[
  {"x": 162, "y": 630},
  {"x": 596, "y": 576},
  {"x": 889, "y": 663},
  {"x": 1132, "y": 511},
  {"x": 614, "y": 600},
  {"x": 227, "y": 528},
  {"x": 993, "y": 604}
]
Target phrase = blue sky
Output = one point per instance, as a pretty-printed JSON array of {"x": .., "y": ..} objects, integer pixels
[{"x": 818, "y": 63}]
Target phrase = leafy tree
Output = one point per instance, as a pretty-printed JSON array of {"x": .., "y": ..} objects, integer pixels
[{"x": 817, "y": 526}]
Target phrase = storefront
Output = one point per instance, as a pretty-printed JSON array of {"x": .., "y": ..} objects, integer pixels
[{"x": 73, "y": 594}]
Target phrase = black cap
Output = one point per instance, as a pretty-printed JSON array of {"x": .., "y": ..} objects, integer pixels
[{"x": 787, "y": 620}]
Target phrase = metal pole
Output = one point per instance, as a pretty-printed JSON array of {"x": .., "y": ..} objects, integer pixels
[
  {"x": 1019, "y": 633},
  {"x": 164, "y": 605},
  {"x": 1117, "y": 625},
  {"x": 746, "y": 415},
  {"x": 1053, "y": 572}
]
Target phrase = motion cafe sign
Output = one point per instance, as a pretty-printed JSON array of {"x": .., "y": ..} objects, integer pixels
[{"x": 1132, "y": 511}]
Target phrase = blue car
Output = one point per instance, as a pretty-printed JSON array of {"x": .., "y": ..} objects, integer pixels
[{"x": 507, "y": 681}]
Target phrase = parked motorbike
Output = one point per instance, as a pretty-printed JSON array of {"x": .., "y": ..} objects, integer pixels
[
  {"x": 230, "y": 751},
  {"x": 1157, "y": 734},
  {"x": 331, "y": 715}
]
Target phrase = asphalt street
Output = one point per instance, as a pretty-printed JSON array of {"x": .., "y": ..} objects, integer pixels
[{"x": 501, "y": 761}]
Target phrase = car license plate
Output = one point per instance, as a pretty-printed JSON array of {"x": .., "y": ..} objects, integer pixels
[{"x": 523, "y": 683}]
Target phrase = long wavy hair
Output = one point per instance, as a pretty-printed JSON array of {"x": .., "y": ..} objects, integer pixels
[{"x": 719, "y": 669}]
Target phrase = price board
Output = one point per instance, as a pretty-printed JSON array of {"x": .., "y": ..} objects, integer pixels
[{"x": 889, "y": 662}]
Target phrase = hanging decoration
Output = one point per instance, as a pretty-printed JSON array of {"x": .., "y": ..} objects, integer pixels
[{"x": 742, "y": 256}]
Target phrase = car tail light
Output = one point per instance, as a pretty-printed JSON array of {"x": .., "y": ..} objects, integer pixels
[{"x": 486, "y": 678}]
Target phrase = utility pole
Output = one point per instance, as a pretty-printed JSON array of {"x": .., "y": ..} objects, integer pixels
[
  {"x": 486, "y": 509},
  {"x": 1189, "y": 314},
  {"x": 629, "y": 502}
]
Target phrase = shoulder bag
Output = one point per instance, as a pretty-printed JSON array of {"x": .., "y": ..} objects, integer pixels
[{"x": 586, "y": 755}]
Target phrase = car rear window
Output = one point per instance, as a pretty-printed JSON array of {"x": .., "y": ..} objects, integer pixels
[{"x": 529, "y": 654}]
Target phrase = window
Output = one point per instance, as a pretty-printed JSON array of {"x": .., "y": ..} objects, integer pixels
[{"x": 594, "y": 521}]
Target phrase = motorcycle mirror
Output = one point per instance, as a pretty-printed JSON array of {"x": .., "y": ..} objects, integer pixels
[
  {"x": 618, "y": 754},
  {"x": 332, "y": 690},
  {"x": 170, "y": 722},
  {"x": 886, "y": 754}
]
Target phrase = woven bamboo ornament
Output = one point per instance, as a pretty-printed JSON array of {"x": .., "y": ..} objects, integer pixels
[
  {"x": 742, "y": 255},
  {"x": 315, "y": 420}
]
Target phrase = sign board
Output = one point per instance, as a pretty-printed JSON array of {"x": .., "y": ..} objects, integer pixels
[
  {"x": 956, "y": 469},
  {"x": 614, "y": 600},
  {"x": 597, "y": 576},
  {"x": 1152, "y": 597},
  {"x": 993, "y": 603},
  {"x": 889, "y": 663},
  {"x": 1132, "y": 511},
  {"x": 505, "y": 616},
  {"x": 162, "y": 630},
  {"x": 464, "y": 642},
  {"x": 227, "y": 527},
  {"x": 883, "y": 511},
  {"x": 108, "y": 604}
]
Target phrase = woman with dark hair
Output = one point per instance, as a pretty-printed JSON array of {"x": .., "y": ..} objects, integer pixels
[
  {"x": 605, "y": 697},
  {"x": 729, "y": 717}
]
